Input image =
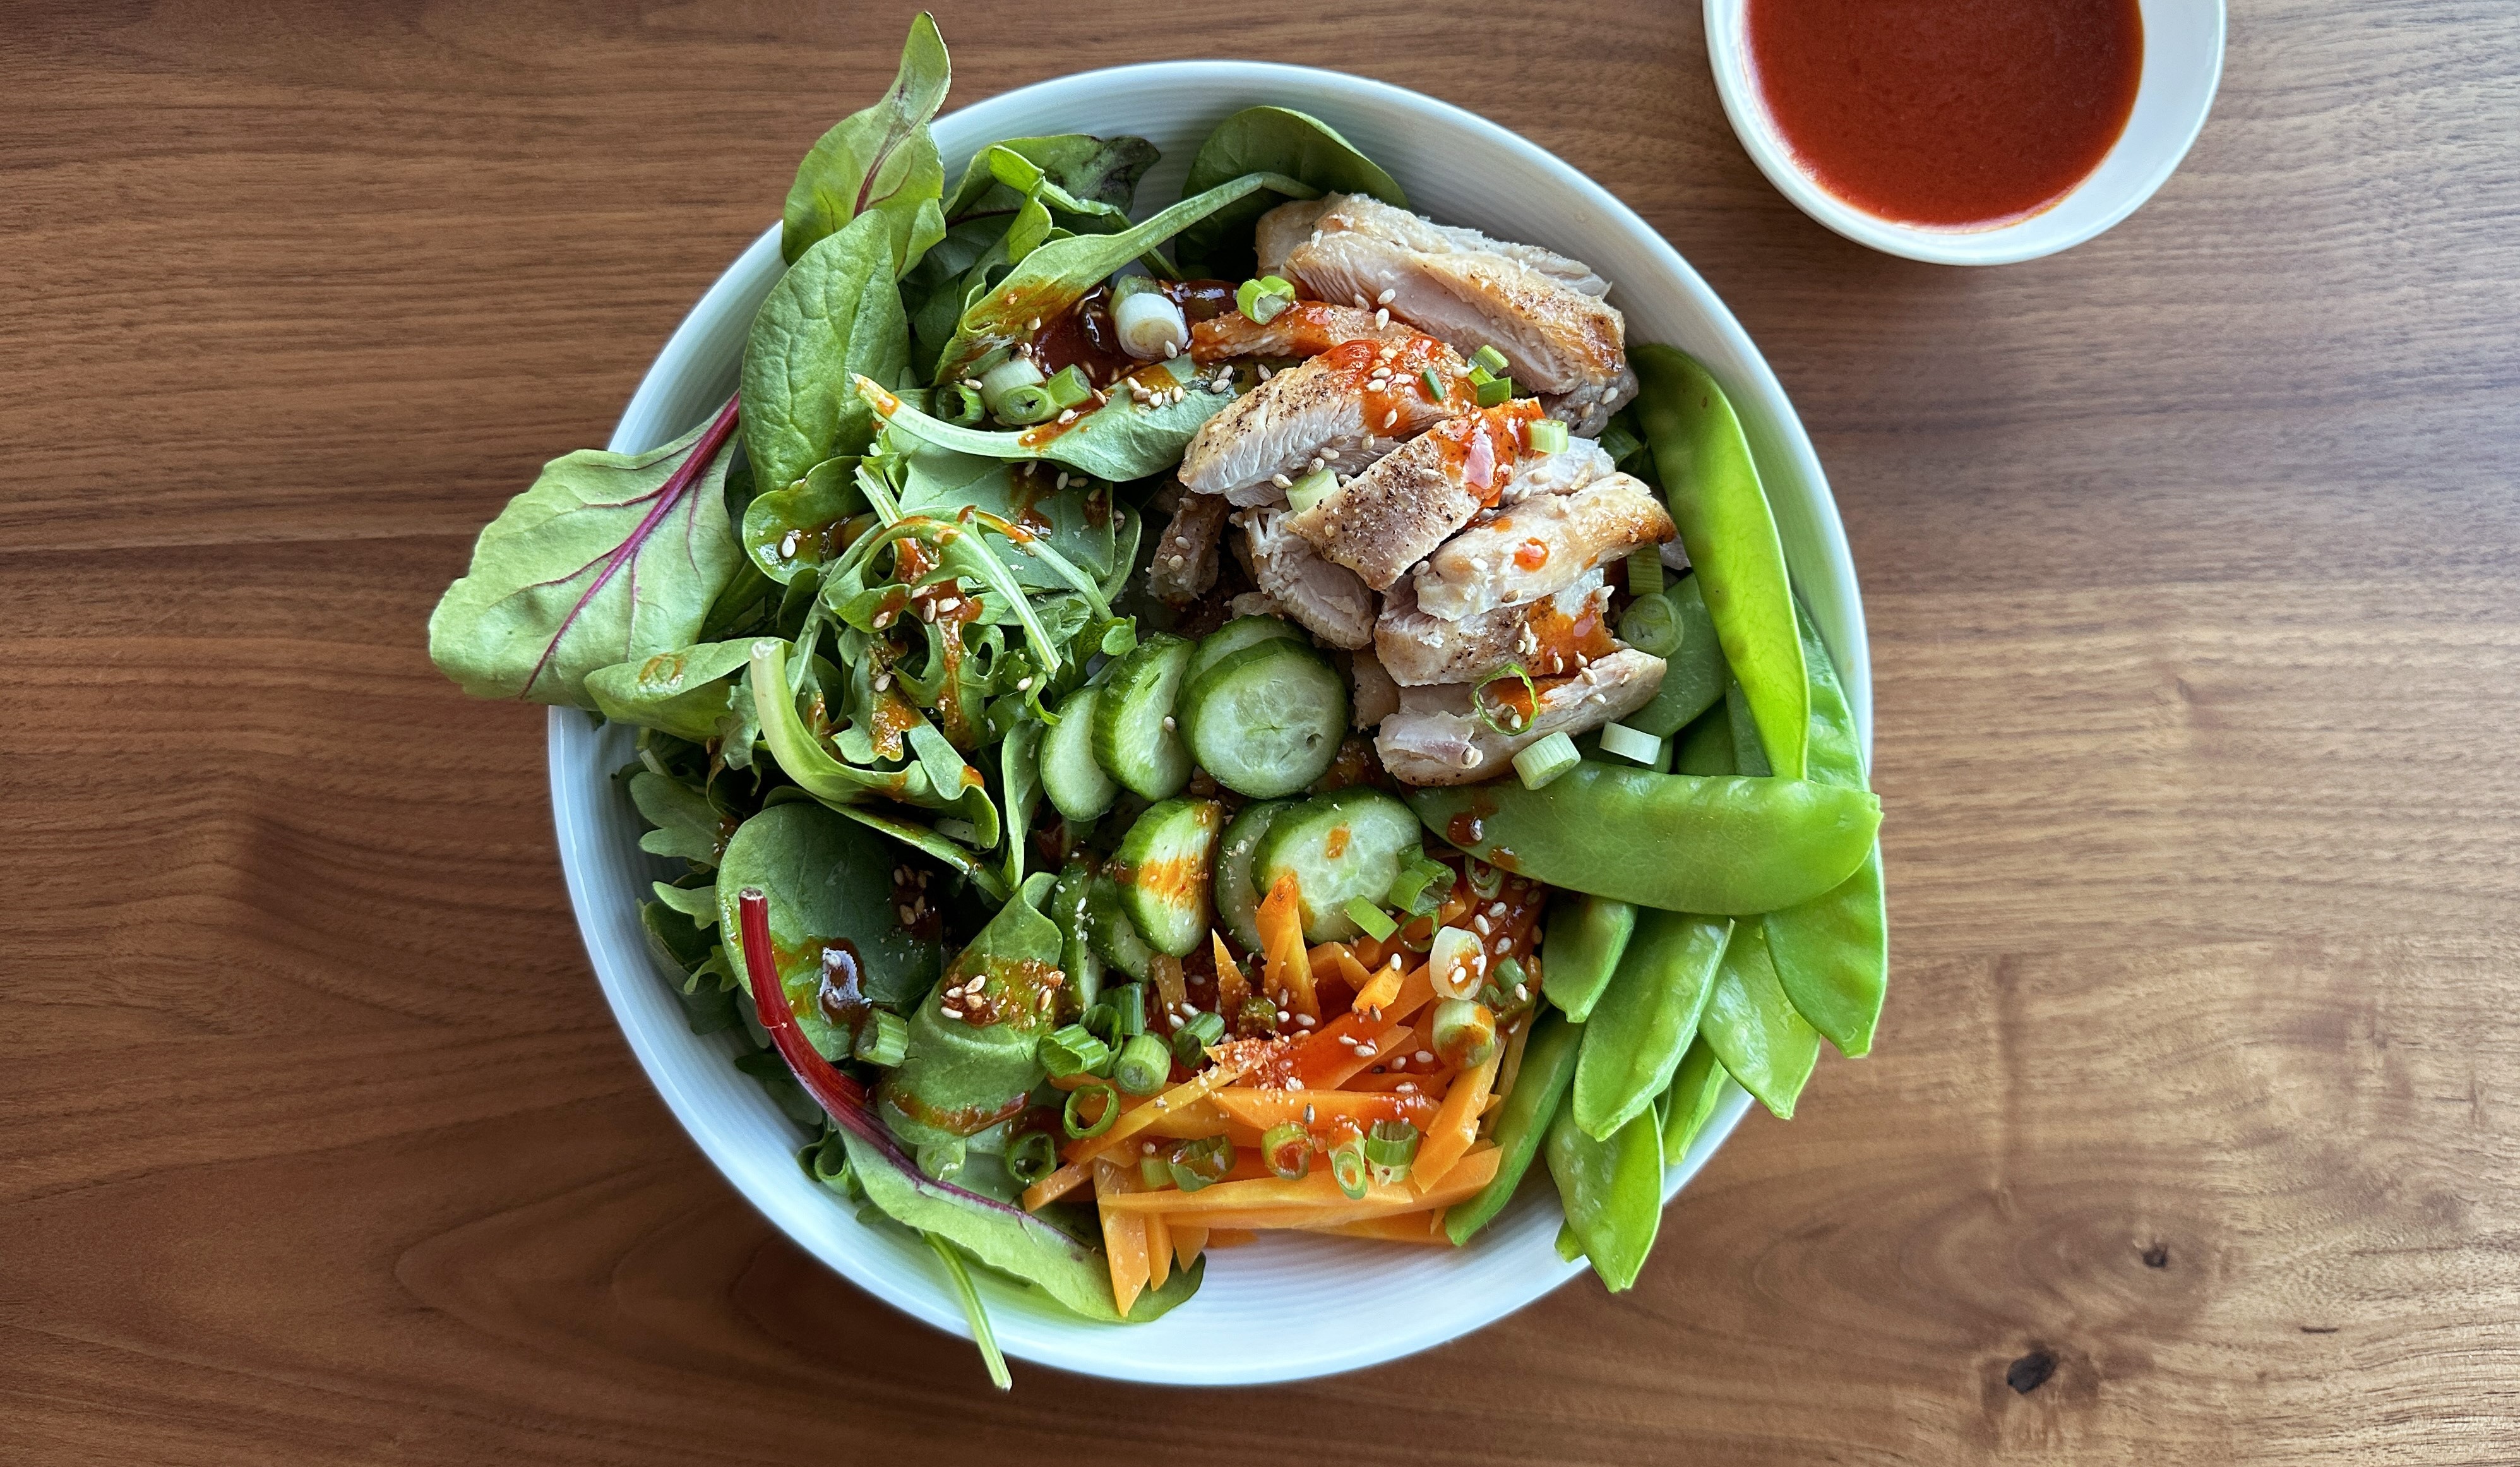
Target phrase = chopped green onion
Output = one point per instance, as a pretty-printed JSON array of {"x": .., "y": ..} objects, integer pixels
[
  {"x": 1102, "y": 1021},
  {"x": 1490, "y": 358},
  {"x": 1618, "y": 442},
  {"x": 1196, "y": 1164},
  {"x": 1155, "y": 1171},
  {"x": 943, "y": 1161},
  {"x": 1486, "y": 881},
  {"x": 1067, "y": 1119},
  {"x": 1650, "y": 625},
  {"x": 1453, "y": 963},
  {"x": 1288, "y": 1149},
  {"x": 1143, "y": 1066},
  {"x": 1541, "y": 762},
  {"x": 1366, "y": 915},
  {"x": 1128, "y": 1003},
  {"x": 1349, "y": 1169},
  {"x": 1258, "y": 1016},
  {"x": 1480, "y": 702},
  {"x": 1495, "y": 394},
  {"x": 1508, "y": 973},
  {"x": 1034, "y": 1156},
  {"x": 1263, "y": 299},
  {"x": 1422, "y": 886},
  {"x": 1069, "y": 389},
  {"x": 1435, "y": 384},
  {"x": 1192, "y": 1040},
  {"x": 883, "y": 1039},
  {"x": 960, "y": 404},
  {"x": 1389, "y": 1147},
  {"x": 1547, "y": 435},
  {"x": 1630, "y": 743},
  {"x": 1027, "y": 405},
  {"x": 1073, "y": 1050},
  {"x": 1003, "y": 377},
  {"x": 1463, "y": 1032},
  {"x": 1644, "y": 570},
  {"x": 1311, "y": 489}
]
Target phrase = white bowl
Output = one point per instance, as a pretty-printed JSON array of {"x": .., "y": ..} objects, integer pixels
[
  {"x": 2182, "y": 65},
  {"x": 1283, "y": 1307}
]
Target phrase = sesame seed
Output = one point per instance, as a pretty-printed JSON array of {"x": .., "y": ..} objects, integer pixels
[
  {"x": 1303, "y": 1020},
  {"x": 1425, "y": 1057},
  {"x": 1385, "y": 297},
  {"x": 1522, "y": 992},
  {"x": 1365, "y": 1051},
  {"x": 948, "y": 604},
  {"x": 1148, "y": 1147},
  {"x": 1067, "y": 415},
  {"x": 1401, "y": 1063},
  {"x": 1062, "y": 481},
  {"x": 1409, "y": 1086},
  {"x": 1481, "y": 923},
  {"x": 1382, "y": 318},
  {"x": 1294, "y": 1084},
  {"x": 1023, "y": 684},
  {"x": 1171, "y": 351},
  {"x": 1264, "y": 372},
  {"x": 1033, "y": 325},
  {"x": 1168, "y": 723},
  {"x": 953, "y": 1013},
  {"x": 1390, "y": 417},
  {"x": 1359, "y": 300},
  {"x": 883, "y": 680},
  {"x": 1282, "y": 1016}
]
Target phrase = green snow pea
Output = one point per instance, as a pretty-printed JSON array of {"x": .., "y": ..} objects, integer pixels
[
  {"x": 1694, "y": 676},
  {"x": 1522, "y": 1121},
  {"x": 1689, "y": 1103},
  {"x": 1725, "y": 846},
  {"x": 1712, "y": 485},
  {"x": 1833, "y": 952},
  {"x": 1753, "y": 1028},
  {"x": 1646, "y": 1019},
  {"x": 1612, "y": 1193},
  {"x": 1705, "y": 747},
  {"x": 1581, "y": 950},
  {"x": 1748, "y": 757}
]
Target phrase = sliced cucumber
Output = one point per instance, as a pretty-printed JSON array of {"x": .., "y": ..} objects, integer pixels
[
  {"x": 1161, "y": 870},
  {"x": 1340, "y": 846},
  {"x": 1076, "y": 786},
  {"x": 1266, "y": 721},
  {"x": 1237, "y": 635},
  {"x": 1076, "y": 954},
  {"x": 1132, "y": 724},
  {"x": 1110, "y": 932},
  {"x": 1237, "y": 901}
]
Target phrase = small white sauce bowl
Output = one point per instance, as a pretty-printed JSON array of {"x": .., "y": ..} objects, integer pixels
[{"x": 2182, "y": 65}]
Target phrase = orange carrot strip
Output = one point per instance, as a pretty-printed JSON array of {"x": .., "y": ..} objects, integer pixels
[
  {"x": 1231, "y": 1237},
  {"x": 1054, "y": 1186},
  {"x": 1166, "y": 970},
  {"x": 1432, "y": 1086},
  {"x": 1401, "y": 1227},
  {"x": 1124, "y": 1235},
  {"x": 1275, "y": 1202},
  {"x": 1519, "y": 1036},
  {"x": 1189, "y": 1240},
  {"x": 1159, "y": 1251},
  {"x": 1182, "y": 1122},
  {"x": 1379, "y": 989},
  {"x": 1263, "y": 1109},
  {"x": 1143, "y": 1116},
  {"x": 1456, "y": 1124},
  {"x": 1231, "y": 989},
  {"x": 1281, "y": 937},
  {"x": 1323, "y": 1063}
]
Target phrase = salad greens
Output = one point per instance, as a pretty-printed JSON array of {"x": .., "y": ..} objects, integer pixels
[{"x": 968, "y": 843}]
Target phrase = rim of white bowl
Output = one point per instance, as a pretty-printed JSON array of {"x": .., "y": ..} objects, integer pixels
[
  {"x": 593, "y": 825},
  {"x": 2193, "y": 68}
]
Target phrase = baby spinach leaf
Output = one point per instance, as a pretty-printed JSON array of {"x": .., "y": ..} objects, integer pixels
[
  {"x": 880, "y": 161},
  {"x": 608, "y": 558},
  {"x": 1006, "y": 1238},
  {"x": 686, "y": 692},
  {"x": 1055, "y": 276},
  {"x": 698, "y": 903},
  {"x": 1120, "y": 441},
  {"x": 836, "y": 312},
  {"x": 1099, "y": 173},
  {"x": 972, "y": 1060},
  {"x": 685, "y": 823},
  {"x": 1270, "y": 140},
  {"x": 808, "y": 760},
  {"x": 786, "y": 530},
  {"x": 830, "y": 884}
]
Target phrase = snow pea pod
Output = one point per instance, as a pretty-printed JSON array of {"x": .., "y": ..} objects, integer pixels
[
  {"x": 1646, "y": 1019},
  {"x": 1712, "y": 485},
  {"x": 1693, "y": 675},
  {"x": 1522, "y": 1121},
  {"x": 1581, "y": 951},
  {"x": 1753, "y": 1028},
  {"x": 1705, "y": 747},
  {"x": 1689, "y": 1103},
  {"x": 1726, "y": 845},
  {"x": 1612, "y": 1193},
  {"x": 1833, "y": 952}
]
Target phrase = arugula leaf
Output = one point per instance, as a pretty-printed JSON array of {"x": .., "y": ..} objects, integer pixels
[
  {"x": 830, "y": 883},
  {"x": 1119, "y": 441},
  {"x": 1270, "y": 140},
  {"x": 698, "y": 903},
  {"x": 684, "y": 692},
  {"x": 787, "y": 529},
  {"x": 836, "y": 312},
  {"x": 608, "y": 558},
  {"x": 881, "y": 160},
  {"x": 970, "y": 1067},
  {"x": 1078, "y": 522},
  {"x": 1099, "y": 173},
  {"x": 1055, "y": 276},
  {"x": 1019, "y": 782},
  {"x": 685, "y": 823}
]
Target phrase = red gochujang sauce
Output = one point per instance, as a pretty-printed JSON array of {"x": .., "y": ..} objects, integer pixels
[{"x": 1952, "y": 113}]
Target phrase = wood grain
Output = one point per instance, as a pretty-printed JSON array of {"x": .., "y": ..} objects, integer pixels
[{"x": 2190, "y": 562}]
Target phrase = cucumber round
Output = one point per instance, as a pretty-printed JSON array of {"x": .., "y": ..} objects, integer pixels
[
  {"x": 1266, "y": 721},
  {"x": 1111, "y": 933},
  {"x": 1134, "y": 738},
  {"x": 1076, "y": 785},
  {"x": 1237, "y": 901},
  {"x": 1237, "y": 635},
  {"x": 1339, "y": 847},
  {"x": 1163, "y": 872}
]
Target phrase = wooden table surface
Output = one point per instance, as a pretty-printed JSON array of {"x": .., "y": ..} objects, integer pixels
[{"x": 2190, "y": 558}]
